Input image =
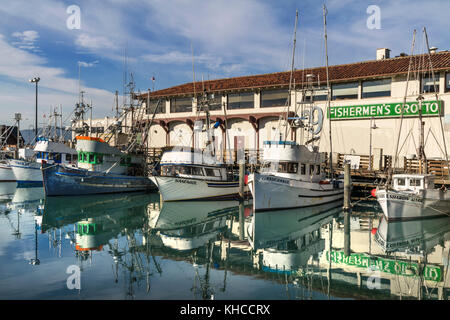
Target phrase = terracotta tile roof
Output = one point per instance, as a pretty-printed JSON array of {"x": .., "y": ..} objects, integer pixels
[{"x": 337, "y": 73}]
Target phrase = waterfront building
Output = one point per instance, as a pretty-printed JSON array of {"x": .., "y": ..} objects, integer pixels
[{"x": 365, "y": 107}]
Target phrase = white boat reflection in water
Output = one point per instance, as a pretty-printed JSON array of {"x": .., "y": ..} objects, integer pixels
[
  {"x": 7, "y": 190},
  {"x": 288, "y": 238},
  {"x": 416, "y": 237},
  {"x": 187, "y": 226}
]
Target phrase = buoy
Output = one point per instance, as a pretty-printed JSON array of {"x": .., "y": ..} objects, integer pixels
[
  {"x": 374, "y": 193},
  {"x": 374, "y": 230}
]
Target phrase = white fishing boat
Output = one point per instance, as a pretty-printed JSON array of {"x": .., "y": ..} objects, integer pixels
[
  {"x": 292, "y": 176},
  {"x": 6, "y": 172},
  {"x": 192, "y": 174},
  {"x": 413, "y": 196},
  {"x": 28, "y": 172}
]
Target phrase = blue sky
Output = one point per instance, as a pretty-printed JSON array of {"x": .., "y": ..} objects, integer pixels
[{"x": 229, "y": 38}]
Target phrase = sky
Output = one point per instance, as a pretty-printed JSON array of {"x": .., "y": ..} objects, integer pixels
[{"x": 99, "y": 45}]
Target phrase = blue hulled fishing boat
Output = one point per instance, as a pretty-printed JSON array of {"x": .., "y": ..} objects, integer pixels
[{"x": 101, "y": 169}]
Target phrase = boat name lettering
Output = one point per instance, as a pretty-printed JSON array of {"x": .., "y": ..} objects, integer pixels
[
  {"x": 185, "y": 181},
  {"x": 406, "y": 198},
  {"x": 274, "y": 179}
]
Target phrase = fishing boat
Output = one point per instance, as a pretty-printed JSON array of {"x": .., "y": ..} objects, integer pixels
[
  {"x": 100, "y": 169},
  {"x": 28, "y": 173},
  {"x": 192, "y": 174},
  {"x": 6, "y": 172},
  {"x": 292, "y": 176},
  {"x": 415, "y": 196}
]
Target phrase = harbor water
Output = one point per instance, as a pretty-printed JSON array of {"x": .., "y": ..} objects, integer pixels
[{"x": 133, "y": 246}]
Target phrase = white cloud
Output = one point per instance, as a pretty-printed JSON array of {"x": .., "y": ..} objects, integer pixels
[
  {"x": 94, "y": 43},
  {"x": 26, "y": 40},
  {"x": 87, "y": 64}
]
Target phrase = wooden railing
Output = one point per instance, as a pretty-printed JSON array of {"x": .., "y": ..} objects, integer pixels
[{"x": 435, "y": 167}]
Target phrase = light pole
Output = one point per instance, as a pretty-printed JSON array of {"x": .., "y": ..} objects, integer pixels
[
  {"x": 372, "y": 127},
  {"x": 36, "y": 80}
]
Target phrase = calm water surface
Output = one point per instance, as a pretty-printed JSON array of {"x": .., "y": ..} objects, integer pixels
[{"x": 132, "y": 246}]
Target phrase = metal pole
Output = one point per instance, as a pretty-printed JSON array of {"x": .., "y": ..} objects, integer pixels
[
  {"x": 18, "y": 138},
  {"x": 347, "y": 208},
  {"x": 36, "y": 119}
]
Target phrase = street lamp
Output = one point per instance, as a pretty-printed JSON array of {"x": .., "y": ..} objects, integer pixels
[
  {"x": 36, "y": 80},
  {"x": 372, "y": 127}
]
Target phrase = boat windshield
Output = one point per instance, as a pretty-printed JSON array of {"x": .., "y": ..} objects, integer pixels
[
  {"x": 175, "y": 170},
  {"x": 281, "y": 167}
]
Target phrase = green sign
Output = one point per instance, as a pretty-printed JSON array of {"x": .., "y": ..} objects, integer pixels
[
  {"x": 384, "y": 110},
  {"x": 360, "y": 260}
]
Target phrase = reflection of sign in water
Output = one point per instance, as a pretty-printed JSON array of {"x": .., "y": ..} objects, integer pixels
[
  {"x": 353, "y": 160},
  {"x": 360, "y": 260},
  {"x": 384, "y": 110}
]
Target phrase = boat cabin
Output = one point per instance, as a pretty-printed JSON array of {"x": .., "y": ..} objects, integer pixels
[
  {"x": 54, "y": 152},
  {"x": 290, "y": 160},
  {"x": 413, "y": 182},
  {"x": 192, "y": 164}
]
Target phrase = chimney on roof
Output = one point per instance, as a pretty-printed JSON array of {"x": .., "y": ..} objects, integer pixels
[
  {"x": 383, "y": 53},
  {"x": 433, "y": 49}
]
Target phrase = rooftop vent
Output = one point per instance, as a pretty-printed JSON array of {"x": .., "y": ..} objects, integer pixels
[{"x": 383, "y": 53}]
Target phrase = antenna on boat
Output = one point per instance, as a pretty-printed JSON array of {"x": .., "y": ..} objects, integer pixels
[
  {"x": 325, "y": 12},
  {"x": 291, "y": 75}
]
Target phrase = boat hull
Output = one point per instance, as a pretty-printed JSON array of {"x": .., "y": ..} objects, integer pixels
[
  {"x": 274, "y": 193},
  {"x": 64, "y": 181},
  {"x": 6, "y": 173},
  {"x": 398, "y": 206},
  {"x": 27, "y": 173},
  {"x": 183, "y": 189}
]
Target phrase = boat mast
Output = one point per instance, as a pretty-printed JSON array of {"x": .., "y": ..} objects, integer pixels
[
  {"x": 290, "y": 79},
  {"x": 440, "y": 107},
  {"x": 325, "y": 12},
  {"x": 389, "y": 178}
]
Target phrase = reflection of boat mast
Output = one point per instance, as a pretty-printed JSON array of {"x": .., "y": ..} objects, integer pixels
[
  {"x": 35, "y": 261},
  {"x": 205, "y": 288}
]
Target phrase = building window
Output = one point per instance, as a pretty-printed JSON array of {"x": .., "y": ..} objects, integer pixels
[
  {"x": 376, "y": 88},
  {"x": 318, "y": 94},
  {"x": 274, "y": 98},
  {"x": 447, "y": 82},
  {"x": 241, "y": 100},
  {"x": 345, "y": 91},
  {"x": 428, "y": 85},
  {"x": 181, "y": 104},
  {"x": 152, "y": 106},
  {"x": 214, "y": 102}
]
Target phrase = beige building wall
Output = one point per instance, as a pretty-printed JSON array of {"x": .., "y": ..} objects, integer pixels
[{"x": 348, "y": 136}]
